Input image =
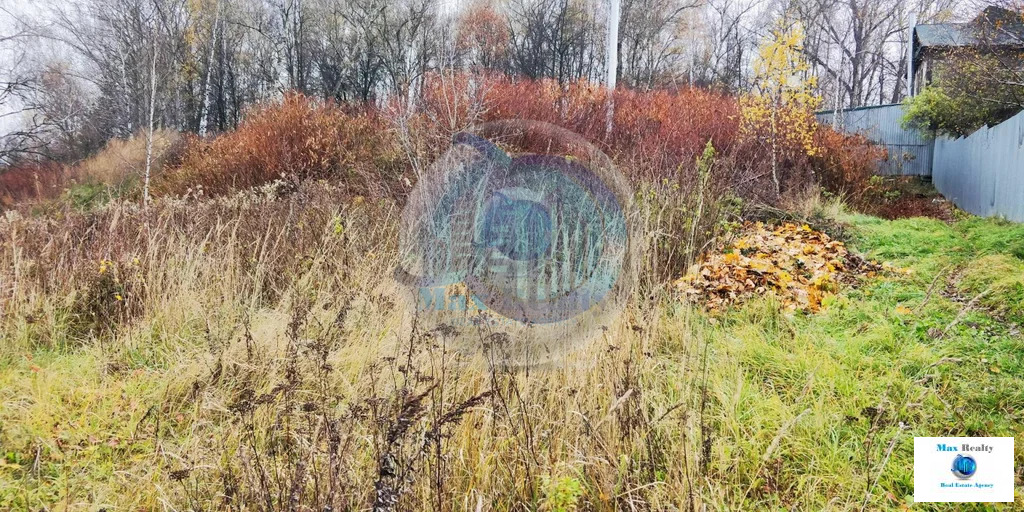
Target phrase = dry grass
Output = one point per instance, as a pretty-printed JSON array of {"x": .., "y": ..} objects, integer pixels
[
  {"x": 123, "y": 159},
  {"x": 254, "y": 357},
  {"x": 114, "y": 171},
  {"x": 261, "y": 358}
]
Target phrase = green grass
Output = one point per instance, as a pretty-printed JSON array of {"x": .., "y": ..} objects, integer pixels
[
  {"x": 84, "y": 417},
  {"x": 796, "y": 411},
  {"x": 838, "y": 387}
]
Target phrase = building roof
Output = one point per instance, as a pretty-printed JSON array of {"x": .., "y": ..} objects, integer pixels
[
  {"x": 994, "y": 26},
  {"x": 945, "y": 34}
]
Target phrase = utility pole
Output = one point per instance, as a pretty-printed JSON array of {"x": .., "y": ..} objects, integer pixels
[{"x": 910, "y": 55}]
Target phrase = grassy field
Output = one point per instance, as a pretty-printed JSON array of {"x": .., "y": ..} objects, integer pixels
[{"x": 311, "y": 400}]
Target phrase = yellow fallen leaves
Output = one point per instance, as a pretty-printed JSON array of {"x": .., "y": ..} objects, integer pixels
[{"x": 799, "y": 265}]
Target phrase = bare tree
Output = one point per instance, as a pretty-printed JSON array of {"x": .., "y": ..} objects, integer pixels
[
  {"x": 209, "y": 73},
  {"x": 651, "y": 46},
  {"x": 558, "y": 39},
  {"x": 25, "y": 135},
  {"x": 730, "y": 35},
  {"x": 483, "y": 38},
  {"x": 26, "y": 138},
  {"x": 149, "y": 133},
  {"x": 858, "y": 47}
]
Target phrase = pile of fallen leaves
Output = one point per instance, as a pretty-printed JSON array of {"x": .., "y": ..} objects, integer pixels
[{"x": 797, "y": 264}]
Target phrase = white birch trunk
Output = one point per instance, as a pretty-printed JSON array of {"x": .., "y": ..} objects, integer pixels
[
  {"x": 149, "y": 135},
  {"x": 204, "y": 112}
]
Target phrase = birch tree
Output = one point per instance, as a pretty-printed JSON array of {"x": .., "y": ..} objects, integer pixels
[
  {"x": 149, "y": 133},
  {"x": 209, "y": 72},
  {"x": 784, "y": 96}
]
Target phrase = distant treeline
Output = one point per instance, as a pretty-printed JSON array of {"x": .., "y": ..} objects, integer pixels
[{"x": 198, "y": 64}]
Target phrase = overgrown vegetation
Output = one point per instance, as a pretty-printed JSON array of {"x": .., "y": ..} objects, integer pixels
[
  {"x": 970, "y": 90},
  {"x": 246, "y": 350},
  {"x": 656, "y": 136},
  {"x": 242, "y": 347},
  {"x": 114, "y": 171}
]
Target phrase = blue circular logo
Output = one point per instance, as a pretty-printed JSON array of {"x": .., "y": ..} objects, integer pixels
[
  {"x": 964, "y": 466},
  {"x": 529, "y": 248}
]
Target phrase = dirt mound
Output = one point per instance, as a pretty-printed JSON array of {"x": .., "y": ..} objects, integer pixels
[{"x": 797, "y": 264}]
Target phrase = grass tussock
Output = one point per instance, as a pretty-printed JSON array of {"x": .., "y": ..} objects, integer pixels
[{"x": 998, "y": 282}]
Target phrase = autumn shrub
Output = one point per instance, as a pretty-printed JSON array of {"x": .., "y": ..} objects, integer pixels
[
  {"x": 652, "y": 132},
  {"x": 653, "y": 136},
  {"x": 293, "y": 140},
  {"x": 845, "y": 162},
  {"x": 657, "y": 135},
  {"x": 31, "y": 180},
  {"x": 113, "y": 171},
  {"x": 656, "y": 138}
]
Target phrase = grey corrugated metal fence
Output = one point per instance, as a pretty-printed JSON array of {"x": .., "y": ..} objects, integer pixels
[
  {"x": 983, "y": 173},
  {"x": 910, "y": 151}
]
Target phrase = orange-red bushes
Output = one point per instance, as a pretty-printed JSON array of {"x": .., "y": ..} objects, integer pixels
[
  {"x": 31, "y": 180},
  {"x": 296, "y": 139},
  {"x": 655, "y": 137},
  {"x": 673, "y": 123},
  {"x": 844, "y": 163},
  {"x": 683, "y": 119},
  {"x": 659, "y": 134}
]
